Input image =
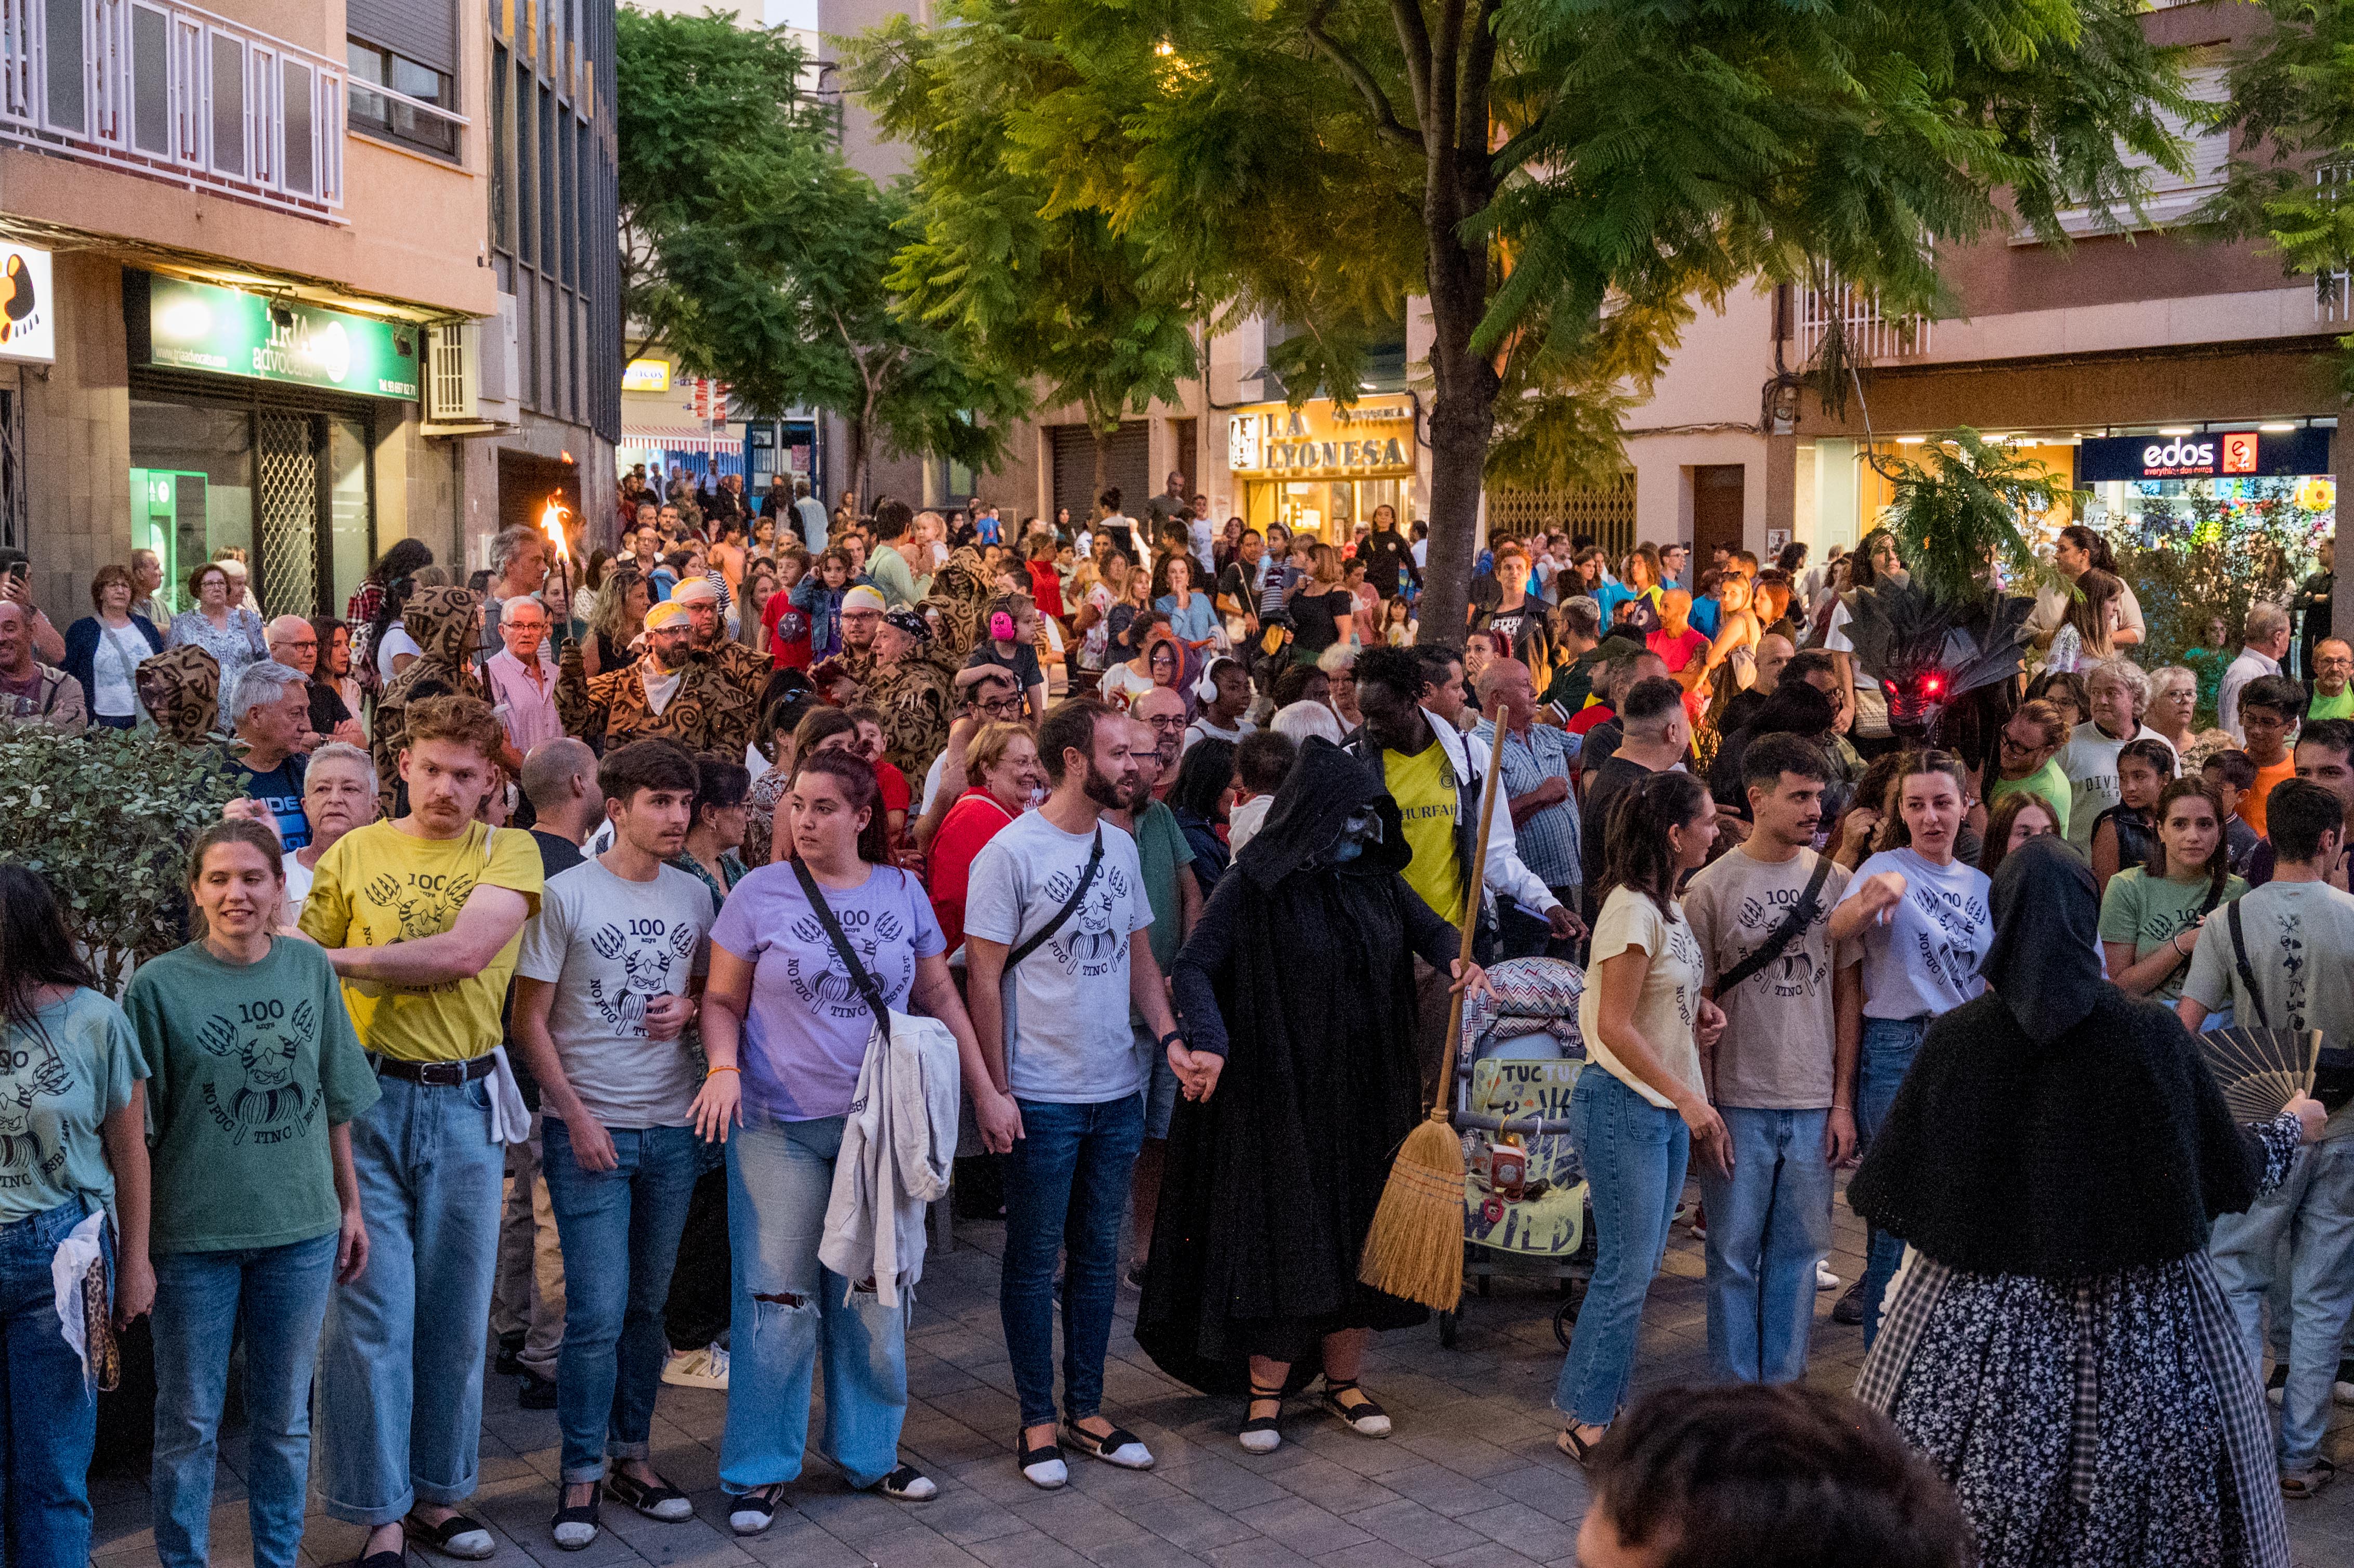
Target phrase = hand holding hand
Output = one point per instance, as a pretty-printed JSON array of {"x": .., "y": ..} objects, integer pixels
[
  {"x": 1709, "y": 1025},
  {"x": 1000, "y": 1120},
  {"x": 1197, "y": 1071},
  {"x": 1839, "y": 1136}
]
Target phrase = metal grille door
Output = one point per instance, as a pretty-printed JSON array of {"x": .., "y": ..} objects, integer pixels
[{"x": 288, "y": 578}]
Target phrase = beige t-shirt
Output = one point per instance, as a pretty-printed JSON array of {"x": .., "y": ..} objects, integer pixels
[
  {"x": 1776, "y": 1049},
  {"x": 1669, "y": 1002}
]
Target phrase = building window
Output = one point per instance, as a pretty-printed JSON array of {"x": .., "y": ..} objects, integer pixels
[
  {"x": 401, "y": 101},
  {"x": 501, "y": 155}
]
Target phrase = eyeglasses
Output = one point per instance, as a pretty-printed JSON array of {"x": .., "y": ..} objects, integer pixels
[
  {"x": 1002, "y": 707},
  {"x": 1169, "y": 721},
  {"x": 2011, "y": 744}
]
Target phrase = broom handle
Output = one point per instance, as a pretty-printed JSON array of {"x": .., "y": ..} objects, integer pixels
[{"x": 1439, "y": 1111}]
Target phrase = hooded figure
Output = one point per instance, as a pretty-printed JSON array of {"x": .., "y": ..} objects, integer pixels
[
  {"x": 2056, "y": 1341},
  {"x": 181, "y": 687},
  {"x": 1298, "y": 976},
  {"x": 441, "y": 619}
]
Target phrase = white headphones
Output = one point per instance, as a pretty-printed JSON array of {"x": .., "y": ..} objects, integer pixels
[{"x": 1206, "y": 687}]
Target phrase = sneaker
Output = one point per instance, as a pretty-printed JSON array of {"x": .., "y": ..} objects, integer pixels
[
  {"x": 1824, "y": 1278},
  {"x": 706, "y": 1368},
  {"x": 1849, "y": 1308},
  {"x": 537, "y": 1393},
  {"x": 2278, "y": 1383},
  {"x": 1700, "y": 1222}
]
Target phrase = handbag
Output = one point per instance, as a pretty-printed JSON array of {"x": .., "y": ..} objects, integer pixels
[{"x": 1801, "y": 915}]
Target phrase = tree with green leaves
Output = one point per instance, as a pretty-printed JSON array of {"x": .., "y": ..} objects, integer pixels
[
  {"x": 2291, "y": 178},
  {"x": 753, "y": 254},
  {"x": 1564, "y": 185}
]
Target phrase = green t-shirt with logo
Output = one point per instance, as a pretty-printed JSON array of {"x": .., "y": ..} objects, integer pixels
[
  {"x": 251, "y": 1063},
  {"x": 2148, "y": 910},
  {"x": 2324, "y": 706},
  {"x": 62, "y": 1076}
]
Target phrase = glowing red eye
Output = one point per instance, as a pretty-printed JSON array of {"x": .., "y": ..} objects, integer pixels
[{"x": 1933, "y": 683}]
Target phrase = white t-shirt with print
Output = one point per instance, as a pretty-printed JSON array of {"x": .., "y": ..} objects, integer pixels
[
  {"x": 1067, "y": 1041},
  {"x": 1668, "y": 1004},
  {"x": 1925, "y": 957}
]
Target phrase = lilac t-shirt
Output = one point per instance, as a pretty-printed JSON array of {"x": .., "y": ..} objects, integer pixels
[{"x": 806, "y": 1032}]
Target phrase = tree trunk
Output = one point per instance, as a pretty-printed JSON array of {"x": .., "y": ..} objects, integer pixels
[{"x": 1462, "y": 413}]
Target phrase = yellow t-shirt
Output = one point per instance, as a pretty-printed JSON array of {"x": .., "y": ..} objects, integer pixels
[
  {"x": 379, "y": 885},
  {"x": 1424, "y": 788}
]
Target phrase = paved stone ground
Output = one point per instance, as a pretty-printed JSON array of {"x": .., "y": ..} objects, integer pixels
[{"x": 1471, "y": 1478}]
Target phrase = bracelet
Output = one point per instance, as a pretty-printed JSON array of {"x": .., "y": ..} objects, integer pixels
[
  {"x": 714, "y": 1072},
  {"x": 1172, "y": 1034}
]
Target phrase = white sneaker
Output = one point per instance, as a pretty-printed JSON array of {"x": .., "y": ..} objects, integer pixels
[
  {"x": 706, "y": 1368},
  {"x": 1824, "y": 1278}
]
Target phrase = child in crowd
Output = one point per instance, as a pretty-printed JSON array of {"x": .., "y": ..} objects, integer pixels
[
  {"x": 2124, "y": 835},
  {"x": 2231, "y": 773}
]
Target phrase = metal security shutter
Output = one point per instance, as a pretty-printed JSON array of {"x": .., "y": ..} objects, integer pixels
[
  {"x": 288, "y": 581},
  {"x": 424, "y": 30},
  {"x": 1127, "y": 463}
]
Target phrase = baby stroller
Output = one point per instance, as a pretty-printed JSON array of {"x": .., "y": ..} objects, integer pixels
[{"x": 1524, "y": 1208}]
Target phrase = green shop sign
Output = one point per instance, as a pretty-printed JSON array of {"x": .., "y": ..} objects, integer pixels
[{"x": 195, "y": 326}]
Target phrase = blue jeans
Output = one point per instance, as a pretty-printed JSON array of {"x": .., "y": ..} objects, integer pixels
[
  {"x": 619, "y": 1230},
  {"x": 1065, "y": 1193},
  {"x": 278, "y": 1294},
  {"x": 1768, "y": 1223},
  {"x": 1635, "y": 1154},
  {"x": 48, "y": 1413},
  {"x": 2313, "y": 1210},
  {"x": 1888, "y": 1047},
  {"x": 400, "y": 1368},
  {"x": 786, "y": 1306}
]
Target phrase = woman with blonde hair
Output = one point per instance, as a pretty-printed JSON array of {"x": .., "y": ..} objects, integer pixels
[
  {"x": 620, "y": 615},
  {"x": 2084, "y": 638}
]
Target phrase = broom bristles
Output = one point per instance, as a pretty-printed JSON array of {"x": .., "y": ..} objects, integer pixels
[{"x": 1415, "y": 1249}]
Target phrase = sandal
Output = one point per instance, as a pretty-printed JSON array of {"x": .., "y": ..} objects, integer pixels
[
  {"x": 1576, "y": 1447},
  {"x": 756, "y": 1509},
  {"x": 1366, "y": 1418},
  {"x": 1263, "y": 1434},
  {"x": 574, "y": 1525},
  {"x": 1042, "y": 1467},
  {"x": 908, "y": 1484},
  {"x": 456, "y": 1536},
  {"x": 1118, "y": 1446},
  {"x": 659, "y": 1501},
  {"x": 2297, "y": 1485}
]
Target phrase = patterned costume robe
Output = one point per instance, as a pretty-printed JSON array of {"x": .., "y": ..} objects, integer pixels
[
  {"x": 707, "y": 713},
  {"x": 441, "y": 619}
]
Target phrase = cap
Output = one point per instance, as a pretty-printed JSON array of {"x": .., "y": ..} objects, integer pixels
[
  {"x": 668, "y": 612},
  {"x": 862, "y": 597},
  {"x": 908, "y": 622}
]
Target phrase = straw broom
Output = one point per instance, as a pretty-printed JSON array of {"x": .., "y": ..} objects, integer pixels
[{"x": 1414, "y": 1250}]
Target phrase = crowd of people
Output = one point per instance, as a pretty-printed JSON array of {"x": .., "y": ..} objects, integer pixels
[{"x": 602, "y": 970}]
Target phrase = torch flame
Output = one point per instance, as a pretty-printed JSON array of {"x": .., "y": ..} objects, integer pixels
[{"x": 551, "y": 523}]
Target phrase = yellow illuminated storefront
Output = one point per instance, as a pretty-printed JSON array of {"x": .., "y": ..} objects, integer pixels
[{"x": 1320, "y": 469}]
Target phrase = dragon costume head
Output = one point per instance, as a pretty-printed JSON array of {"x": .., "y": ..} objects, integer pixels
[{"x": 1927, "y": 655}]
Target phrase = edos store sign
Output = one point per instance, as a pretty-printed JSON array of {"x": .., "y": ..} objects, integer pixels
[{"x": 2210, "y": 455}]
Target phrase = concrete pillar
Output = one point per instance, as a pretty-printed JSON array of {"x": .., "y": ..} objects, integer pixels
[
  {"x": 1781, "y": 494},
  {"x": 2341, "y": 470}
]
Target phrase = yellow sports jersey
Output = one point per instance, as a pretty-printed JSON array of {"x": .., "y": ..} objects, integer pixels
[
  {"x": 379, "y": 885},
  {"x": 1425, "y": 794}
]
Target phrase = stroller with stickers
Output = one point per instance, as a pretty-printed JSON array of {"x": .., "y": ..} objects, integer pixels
[{"x": 1518, "y": 1055}]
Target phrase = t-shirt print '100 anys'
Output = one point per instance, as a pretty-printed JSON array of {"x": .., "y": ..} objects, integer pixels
[{"x": 1067, "y": 1033}]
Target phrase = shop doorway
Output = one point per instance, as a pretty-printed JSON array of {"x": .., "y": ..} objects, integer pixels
[{"x": 1719, "y": 492}]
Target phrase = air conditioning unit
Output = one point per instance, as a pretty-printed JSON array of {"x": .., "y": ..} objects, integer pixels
[{"x": 470, "y": 376}]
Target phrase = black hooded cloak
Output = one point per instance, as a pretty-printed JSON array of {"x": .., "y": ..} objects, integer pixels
[
  {"x": 2055, "y": 1125},
  {"x": 1298, "y": 976}
]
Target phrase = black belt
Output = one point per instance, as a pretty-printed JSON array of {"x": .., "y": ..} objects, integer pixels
[{"x": 435, "y": 1075}]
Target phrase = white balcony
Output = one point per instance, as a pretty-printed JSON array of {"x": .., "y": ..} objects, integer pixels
[
  {"x": 174, "y": 93},
  {"x": 1872, "y": 334}
]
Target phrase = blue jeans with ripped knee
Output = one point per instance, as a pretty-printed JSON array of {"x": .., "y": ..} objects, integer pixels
[{"x": 785, "y": 1306}]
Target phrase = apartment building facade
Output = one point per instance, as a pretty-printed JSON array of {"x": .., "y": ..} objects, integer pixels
[{"x": 253, "y": 260}]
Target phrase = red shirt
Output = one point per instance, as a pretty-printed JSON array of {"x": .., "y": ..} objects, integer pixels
[
  {"x": 789, "y": 631},
  {"x": 1587, "y": 717},
  {"x": 1046, "y": 587},
  {"x": 1677, "y": 650},
  {"x": 976, "y": 817},
  {"x": 893, "y": 784}
]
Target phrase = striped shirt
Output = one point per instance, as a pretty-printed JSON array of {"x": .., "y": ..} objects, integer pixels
[{"x": 1548, "y": 843}]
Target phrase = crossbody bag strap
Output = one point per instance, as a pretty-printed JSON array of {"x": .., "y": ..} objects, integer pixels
[
  {"x": 858, "y": 975},
  {"x": 2239, "y": 958},
  {"x": 1801, "y": 915},
  {"x": 1070, "y": 907}
]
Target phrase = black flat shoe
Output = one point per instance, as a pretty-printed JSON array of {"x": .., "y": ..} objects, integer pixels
[
  {"x": 456, "y": 1536},
  {"x": 752, "y": 1512},
  {"x": 574, "y": 1525},
  {"x": 1118, "y": 1446},
  {"x": 660, "y": 1501},
  {"x": 396, "y": 1557},
  {"x": 537, "y": 1393}
]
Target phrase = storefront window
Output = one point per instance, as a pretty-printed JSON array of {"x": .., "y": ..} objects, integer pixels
[
  {"x": 191, "y": 486},
  {"x": 1330, "y": 509}
]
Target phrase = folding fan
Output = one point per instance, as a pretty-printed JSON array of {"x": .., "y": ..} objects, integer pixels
[{"x": 2261, "y": 1070}]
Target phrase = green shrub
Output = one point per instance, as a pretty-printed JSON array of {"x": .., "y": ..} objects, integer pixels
[{"x": 107, "y": 816}]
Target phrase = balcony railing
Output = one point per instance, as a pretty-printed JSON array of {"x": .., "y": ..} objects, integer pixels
[
  {"x": 1871, "y": 334},
  {"x": 174, "y": 93}
]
